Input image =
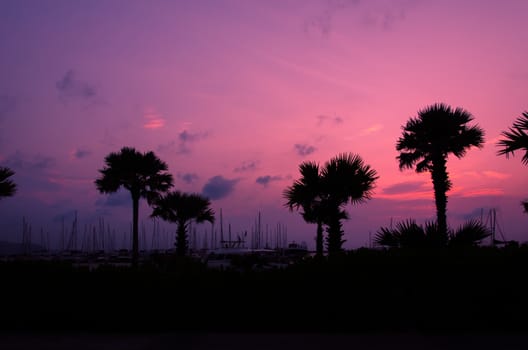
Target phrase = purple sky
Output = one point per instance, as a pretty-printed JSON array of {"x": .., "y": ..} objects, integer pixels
[{"x": 234, "y": 95}]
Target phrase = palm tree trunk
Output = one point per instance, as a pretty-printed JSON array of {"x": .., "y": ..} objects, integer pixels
[
  {"x": 135, "y": 235},
  {"x": 181, "y": 239},
  {"x": 441, "y": 186},
  {"x": 335, "y": 235},
  {"x": 319, "y": 240}
]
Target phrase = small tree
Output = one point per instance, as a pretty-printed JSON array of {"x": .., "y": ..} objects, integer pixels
[{"x": 182, "y": 208}]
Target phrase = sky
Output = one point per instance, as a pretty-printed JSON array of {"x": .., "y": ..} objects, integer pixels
[{"x": 234, "y": 95}]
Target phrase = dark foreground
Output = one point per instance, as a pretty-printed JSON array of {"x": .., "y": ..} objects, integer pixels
[
  {"x": 371, "y": 297},
  {"x": 262, "y": 341}
]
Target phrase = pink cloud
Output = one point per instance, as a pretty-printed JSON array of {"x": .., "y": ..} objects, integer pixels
[
  {"x": 490, "y": 191},
  {"x": 154, "y": 120}
]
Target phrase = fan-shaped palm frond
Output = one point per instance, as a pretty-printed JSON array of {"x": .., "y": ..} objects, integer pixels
[
  {"x": 428, "y": 139},
  {"x": 515, "y": 139},
  {"x": 143, "y": 174},
  {"x": 7, "y": 187},
  {"x": 182, "y": 208},
  {"x": 471, "y": 233}
]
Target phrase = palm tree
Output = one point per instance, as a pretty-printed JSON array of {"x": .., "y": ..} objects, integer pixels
[
  {"x": 7, "y": 187},
  {"x": 182, "y": 208},
  {"x": 429, "y": 138},
  {"x": 408, "y": 234},
  {"x": 322, "y": 193},
  {"x": 471, "y": 233},
  {"x": 306, "y": 193},
  {"x": 346, "y": 179},
  {"x": 516, "y": 138},
  {"x": 143, "y": 174}
]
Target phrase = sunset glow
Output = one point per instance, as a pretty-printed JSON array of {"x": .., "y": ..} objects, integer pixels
[{"x": 234, "y": 95}]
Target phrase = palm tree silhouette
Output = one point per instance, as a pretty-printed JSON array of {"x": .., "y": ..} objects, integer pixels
[
  {"x": 182, "y": 208},
  {"x": 322, "y": 193},
  {"x": 516, "y": 138},
  {"x": 143, "y": 174},
  {"x": 428, "y": 139},
  {"x": 346, "y": 179},
  {"x": 307, "y": 193},
  {"x": 7, "y": 187},
  {"x": 408, "y": 234}
]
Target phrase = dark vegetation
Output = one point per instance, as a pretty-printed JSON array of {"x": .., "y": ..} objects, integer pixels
[
  {"x": 469, "y": 289},
  {"x": 429, "y": 278}
]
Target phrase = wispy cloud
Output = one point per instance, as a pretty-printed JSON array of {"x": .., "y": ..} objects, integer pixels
[
  {"x": 404, "y": 187},
  {"x": 188, "y": 178},
  {"x": 491, "y": 174},
  {"x": 249, "y": 165},
  {"x": 266, "y": 179},
  {"x": 481, "y": 192},
  {"x": 80, "y": 153},
  {"x": 387, "y": 15},
  {"x": 38, "y": 162},
  {"x": 183, "y": 143},
  {"x": 153, "y": 119},
  {"x": 304, "y": 149},
  {"x": 371, "y": 129},
  {"x": 322, "y": 23},
  {"x": 496, "y": 174},
  {"x": 321, "y": 119},
  {"x": 119, "y": 199},
  {"x": 219, "y": 187},
  {"x": 70, "y": 87}
]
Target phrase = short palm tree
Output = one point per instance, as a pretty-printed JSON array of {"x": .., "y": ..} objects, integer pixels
[
  {"x": 182, "y": 208},
  {"x": 7, "y": 187},
  {"x": 143, "y": 174},
  {"x": 408, "y": 234},
  {"x": 306, "y": 194},
  {"x": 429, "y": 138},
  {"x": 516, "y": 138},
  {"x": 346, "y": 179},
  {"x": 323, "y": 192}
]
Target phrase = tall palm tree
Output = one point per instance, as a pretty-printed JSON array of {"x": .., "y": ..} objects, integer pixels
[
  {"x": 516, "y": 138},
  {"x": 7, "y": 187},
  {"x": 143, "y": 174},
  {"x": 346, "y": 179},
  {"x": 429, "y": 138},
  {"x": 182, "y": 208},
  {"x": 306, "y": 193}
]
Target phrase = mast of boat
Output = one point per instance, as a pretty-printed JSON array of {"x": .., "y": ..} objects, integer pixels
[
  {"x": 213, "y": 245},
  {"x": 221, "y": 228},
  {"x": 259, "y": 230},
  {"x": 229, "y": 232}
]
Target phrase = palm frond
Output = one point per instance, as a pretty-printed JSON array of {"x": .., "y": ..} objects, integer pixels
[
  {"x": 470, "y": 233},
  {"x": 7, "y": 187}
]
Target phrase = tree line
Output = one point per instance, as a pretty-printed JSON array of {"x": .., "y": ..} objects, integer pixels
[
  {"x": 323, "y": 191},
  {"x": 438, "y": 130}
]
